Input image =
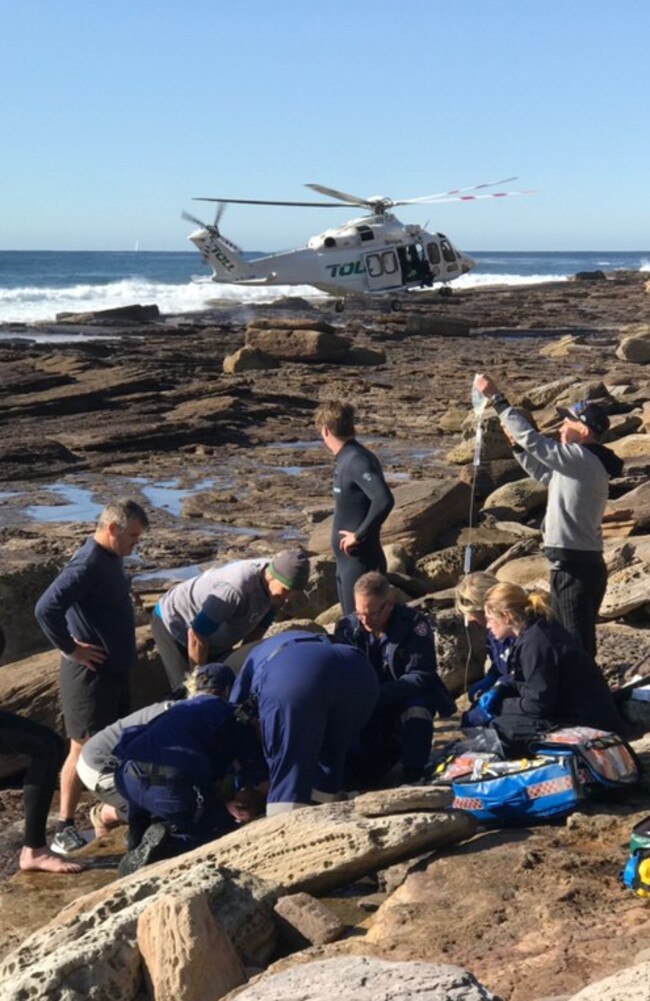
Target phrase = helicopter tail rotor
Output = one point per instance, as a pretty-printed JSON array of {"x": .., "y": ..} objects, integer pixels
[{"x": 214, "y": 227}]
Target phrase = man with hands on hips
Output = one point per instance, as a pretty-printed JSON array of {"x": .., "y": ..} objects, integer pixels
[{"x": 87, "y": 613}]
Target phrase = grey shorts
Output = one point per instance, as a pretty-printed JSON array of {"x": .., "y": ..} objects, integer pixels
[
  {"x": 91, "y": 699},
  {"x": 102, "y": 784}
]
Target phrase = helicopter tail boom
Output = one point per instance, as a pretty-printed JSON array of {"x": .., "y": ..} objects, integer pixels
[{"x": 224, "y": 257}]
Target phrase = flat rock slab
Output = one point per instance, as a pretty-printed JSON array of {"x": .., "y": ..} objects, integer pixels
[{"x": 360, "y": 978}]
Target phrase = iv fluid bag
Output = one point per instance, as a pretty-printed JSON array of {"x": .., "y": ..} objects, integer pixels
[{"x": 479, "y": 402}]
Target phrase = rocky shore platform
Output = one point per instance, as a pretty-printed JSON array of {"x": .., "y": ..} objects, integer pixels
[{"x": 208, "y": 421}]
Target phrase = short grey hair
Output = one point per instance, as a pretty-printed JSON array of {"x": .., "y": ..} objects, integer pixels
[
  {"x": 374, "y": 585},
  {"x": 121, "y": 512}
]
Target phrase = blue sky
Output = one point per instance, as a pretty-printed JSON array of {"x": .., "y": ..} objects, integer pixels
[{"x": 114, "y": 115}]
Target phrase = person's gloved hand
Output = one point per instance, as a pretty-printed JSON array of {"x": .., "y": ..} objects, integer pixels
[
  {"x": 490, "y": 701},
  {"x": 479, "y": 687}
]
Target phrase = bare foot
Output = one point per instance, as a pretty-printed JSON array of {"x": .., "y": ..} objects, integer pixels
[{"x": 43, "y": 860}]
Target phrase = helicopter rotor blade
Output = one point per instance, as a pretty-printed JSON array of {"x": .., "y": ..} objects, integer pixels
[
  {"x": 341, "y": 195},
  {"x": 265, "y": 201},
  {"x": 188, "y": 217},
  {"x": 457, "y": 191},
  {"x": 437, "y": 200},
  {"x": 221, "y": 208}
]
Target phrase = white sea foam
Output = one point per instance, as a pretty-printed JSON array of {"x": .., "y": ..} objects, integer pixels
[{"x": 30, "y": 304}]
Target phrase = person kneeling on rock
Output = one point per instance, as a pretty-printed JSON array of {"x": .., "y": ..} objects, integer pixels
[
  {"x": 97, "y": 764},
  {"x": 167, "y": 772},
  {"x": 399, "y": 643}
]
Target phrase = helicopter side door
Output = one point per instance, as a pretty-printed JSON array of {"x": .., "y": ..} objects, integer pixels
[{"x": 382, "y": 270}]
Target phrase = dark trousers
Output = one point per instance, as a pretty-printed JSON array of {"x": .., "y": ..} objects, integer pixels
[
  {"x": 577, "y": 591},
  {"x": 191, "y": 811},
  {"x": 350, "y": 568},
  {"x": 516, "y": 732},
  {"x": 45, "y": 750},
  {"x": 398, "y": 730},
  {"x": 173, "y": 655}
]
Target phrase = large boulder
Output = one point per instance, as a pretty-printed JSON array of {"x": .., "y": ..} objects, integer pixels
[
  {"x": 629, "y": 513},
  {"x": 186, "y": 953},
  {"x": 23, "y": 578},
  {"x": 304, "y": 345},
  {"x": 119, "y": 314},
  {"x": 362, "y": 978},
  {"x": 529, "y": 572},
  {"x": 516, "y": 500},
  {"x": 635, "y": 347},
  {"x": 424, "y": 510},
  {"x": 542, "y": 396},
  {"x": 627, "y": 589},
  {"x": 494, "y": 444},
  {"x": 632, "y": 446},
  {"x": 248, "y": 359},
  {"x": 460, "y": 651}
]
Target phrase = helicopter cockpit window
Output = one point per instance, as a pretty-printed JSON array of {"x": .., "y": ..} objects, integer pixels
[
  {"x": 433, "y": 253},
  {"x": 448, "y": 251},
  {"x": 365, "y": 233},
  {"x": 389, "y": 261}
]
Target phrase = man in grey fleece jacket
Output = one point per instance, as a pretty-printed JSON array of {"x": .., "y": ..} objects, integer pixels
[{"x": 576, "y": 470}]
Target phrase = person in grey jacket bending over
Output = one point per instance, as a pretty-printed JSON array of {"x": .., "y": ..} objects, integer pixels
[
  {"x": 202, "y": 619},
  {"x": 576, "y": 470}
]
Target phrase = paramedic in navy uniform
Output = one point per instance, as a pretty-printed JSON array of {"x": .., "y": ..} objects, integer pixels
[
  {"x": 362, "y": 500},
  {"x": 312, "y": 698},
  {"x": 398, "y": 642}
]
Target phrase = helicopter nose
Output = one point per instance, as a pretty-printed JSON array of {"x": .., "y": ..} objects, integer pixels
[{"x": 467, "y": 264}]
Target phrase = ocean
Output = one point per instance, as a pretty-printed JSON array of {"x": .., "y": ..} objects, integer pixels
[{"x": 35, "y": 285}]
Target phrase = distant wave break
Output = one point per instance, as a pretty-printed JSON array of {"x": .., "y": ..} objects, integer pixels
[{"x": 33, "y": 303}]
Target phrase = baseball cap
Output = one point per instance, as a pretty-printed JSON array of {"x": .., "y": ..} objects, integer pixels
[
  {"x": 291, "y": 568},
  {"x": 587, "y": 413},
  {"x": 211, "y": 677}
]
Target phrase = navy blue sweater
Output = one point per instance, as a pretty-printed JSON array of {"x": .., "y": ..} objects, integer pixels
[{"x": 90, "y": 601}]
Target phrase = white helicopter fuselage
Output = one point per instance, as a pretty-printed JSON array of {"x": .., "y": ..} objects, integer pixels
[{"x": 374, "y": 253}]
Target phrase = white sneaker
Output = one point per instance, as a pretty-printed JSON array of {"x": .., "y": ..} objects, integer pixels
[{"x": 67, "y": 841}]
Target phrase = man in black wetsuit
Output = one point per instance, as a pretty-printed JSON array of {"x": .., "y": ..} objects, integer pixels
[{"x": 362, "y": 500}]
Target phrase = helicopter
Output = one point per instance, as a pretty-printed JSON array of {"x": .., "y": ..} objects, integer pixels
[{"x": 375, "y": 253}]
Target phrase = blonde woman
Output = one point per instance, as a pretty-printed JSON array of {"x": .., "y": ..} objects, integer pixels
[{"x": 557, "y": 682}]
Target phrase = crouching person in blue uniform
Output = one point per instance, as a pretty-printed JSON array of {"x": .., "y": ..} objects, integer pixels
[
  {"x": 398, "y": 641},
  {"x": 312, "y": 698},
  {"x": 496, "y": 683},
  {"x": 167, "y": 773}
]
